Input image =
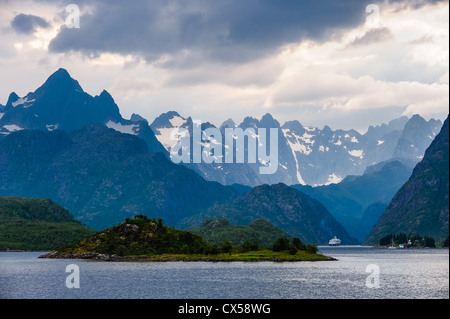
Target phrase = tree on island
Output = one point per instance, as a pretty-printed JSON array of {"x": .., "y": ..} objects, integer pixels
[
  {"x": 283, "y": 244},
  {"x": 226, "y": 247},
  {"x": 298, "y": 244},
  {"x": 249, "y": 246}
]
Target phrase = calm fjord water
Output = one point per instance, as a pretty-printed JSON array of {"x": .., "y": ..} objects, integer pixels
[{"x": 402, "y": 274}]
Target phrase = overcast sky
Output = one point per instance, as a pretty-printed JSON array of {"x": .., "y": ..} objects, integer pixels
[{"x": 344, "y": 63}]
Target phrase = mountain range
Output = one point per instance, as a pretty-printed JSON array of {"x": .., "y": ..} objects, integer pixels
[
  {"x": 61, "y": 143},
  {"x": 309, "y": 155},
  {"x": 306, "y": 155}
]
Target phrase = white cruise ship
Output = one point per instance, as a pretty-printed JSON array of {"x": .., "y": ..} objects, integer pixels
[{"x": 334, "y": 242}]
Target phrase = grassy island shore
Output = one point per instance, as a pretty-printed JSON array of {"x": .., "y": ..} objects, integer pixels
[
  {"x": 251, "y": 256},
  {"x": 148, "y": 240}
]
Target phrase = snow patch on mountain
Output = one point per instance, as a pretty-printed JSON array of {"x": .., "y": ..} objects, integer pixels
[
  {"x": 177, "y": 121},
  {"x": 306, "y": 138},
  {"x": 170, "y": 136},
  {"x": 24, "y": 102},
  {"x": 126, "y": 129},
  {"x": 52, "y": 127},
  {"x": 20, "y": 101},
  {"x": 324, "y": 149},
  {"x": 357, "y": 153},
  {"x": 294, "y": 148},
  {"x": 12, "y": 128},
  {"x": 297, "y": 143},
  {"x": 334, "y": 179}
]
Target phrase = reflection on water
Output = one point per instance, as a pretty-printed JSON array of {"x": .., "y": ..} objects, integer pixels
[{"x": 402, "y": 274}]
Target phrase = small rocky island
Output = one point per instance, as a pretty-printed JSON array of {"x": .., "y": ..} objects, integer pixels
[{"x": 144, "y": 239}]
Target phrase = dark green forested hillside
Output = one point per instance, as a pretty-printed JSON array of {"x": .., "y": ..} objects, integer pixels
[
  {"x": 260, "y": 232},
  {"x": 285, "y": 207},
  {"x": 37, "y": 224}
]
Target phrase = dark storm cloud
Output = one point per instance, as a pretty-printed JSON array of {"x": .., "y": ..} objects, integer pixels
[
  {"x": 195, "y": 30},
  {"x": 27, "y": 23}
]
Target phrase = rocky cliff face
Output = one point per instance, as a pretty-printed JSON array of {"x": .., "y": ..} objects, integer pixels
[{"x": 422, "y": 204}]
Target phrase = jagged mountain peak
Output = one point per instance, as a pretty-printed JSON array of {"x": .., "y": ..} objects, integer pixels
[
  {"x": 60, "y": 103},
  {"x": 60, "y": 75},
  {"x": 105, "y": 94},
  {"x": 249, "y": 122},
  {"x": 408, "y": 146},
  {"x": 60, "y": 81},
  {"x": 417, "y": 121},
  {"x": 314, "y": 156},
  {"x": 393, "y": 125},
  {"x": 228, "y": 124},
  {"x": 267, "y": 121},
  {"x": 168, "y": 119},
  {"x": 62, "y": 72},
  {"x": 327, "y": 129},
  {"x": 416, "y": 117},
  {"x": 13, "y": 97},
  {"x": 294, "y": 126},
  {"x": 169, "y": 115},
  {"x": 135, "y": 118}
]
